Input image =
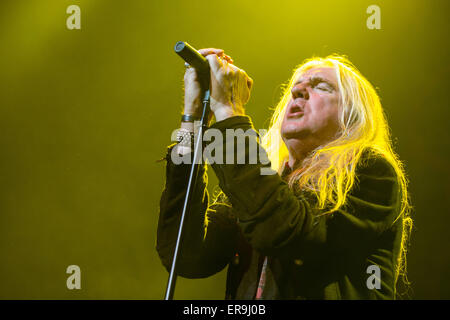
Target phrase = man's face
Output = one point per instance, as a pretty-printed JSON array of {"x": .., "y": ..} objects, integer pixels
[{"x": 313, "y": 111}]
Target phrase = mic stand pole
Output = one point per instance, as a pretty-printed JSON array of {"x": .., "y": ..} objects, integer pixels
[{"x": 197, "y": 161}]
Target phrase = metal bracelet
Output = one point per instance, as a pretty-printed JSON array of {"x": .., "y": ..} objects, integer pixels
[
  {"x": 185, "y": 138},
  {"x": 189, "y": 118}
]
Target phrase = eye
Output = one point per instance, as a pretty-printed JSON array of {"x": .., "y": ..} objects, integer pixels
[{"x": 323, "y": 86}]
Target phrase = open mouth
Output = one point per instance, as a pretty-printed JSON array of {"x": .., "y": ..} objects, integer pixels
[
  {"x": 295, "y": 111},
  {"x": 297, "y": 114}
]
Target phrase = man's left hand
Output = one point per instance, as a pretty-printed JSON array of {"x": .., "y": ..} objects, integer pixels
[{"x": 230, "y": 88}]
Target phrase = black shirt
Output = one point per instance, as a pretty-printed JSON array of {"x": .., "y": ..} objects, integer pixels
[{"x": 310, "y": 256}]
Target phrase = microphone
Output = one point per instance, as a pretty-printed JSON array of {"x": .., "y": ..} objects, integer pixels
[{"x": 193, "y": 57}]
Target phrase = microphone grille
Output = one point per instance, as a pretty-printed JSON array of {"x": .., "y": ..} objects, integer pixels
[{"x": 179, "y": 46}]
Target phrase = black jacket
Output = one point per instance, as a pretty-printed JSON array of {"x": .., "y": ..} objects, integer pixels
[{"x": 309, "y": 256}]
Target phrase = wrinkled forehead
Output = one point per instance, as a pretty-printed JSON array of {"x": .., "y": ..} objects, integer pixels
[{"x": 327, "y": 73}]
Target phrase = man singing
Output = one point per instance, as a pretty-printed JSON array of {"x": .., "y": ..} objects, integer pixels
[{"x": 331, "y": 223}]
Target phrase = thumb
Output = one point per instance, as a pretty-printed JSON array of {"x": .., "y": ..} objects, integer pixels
[{"x": 214, "y": 63}]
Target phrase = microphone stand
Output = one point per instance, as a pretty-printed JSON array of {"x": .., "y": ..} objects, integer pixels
[{"x": 193, "y": 175}]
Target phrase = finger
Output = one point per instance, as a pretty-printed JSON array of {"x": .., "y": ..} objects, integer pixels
[
  {"x": 246, "y": 78},
  {"x": 233, "y": 67},
  {"x": 249, "y": 82},
  {"x": 227, "y": 58},
  {"x": 214, "y": 62},
  {"x": 208, "y": 51},
  {"x": 190, "y": 73},
  {"x": 190, "y": 79}
]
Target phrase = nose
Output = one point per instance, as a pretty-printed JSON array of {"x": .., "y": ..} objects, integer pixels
[{"x": 299, "y": 91}]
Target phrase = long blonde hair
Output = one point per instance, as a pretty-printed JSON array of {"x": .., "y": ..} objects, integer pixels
[{"x": 329, "y": 171}]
